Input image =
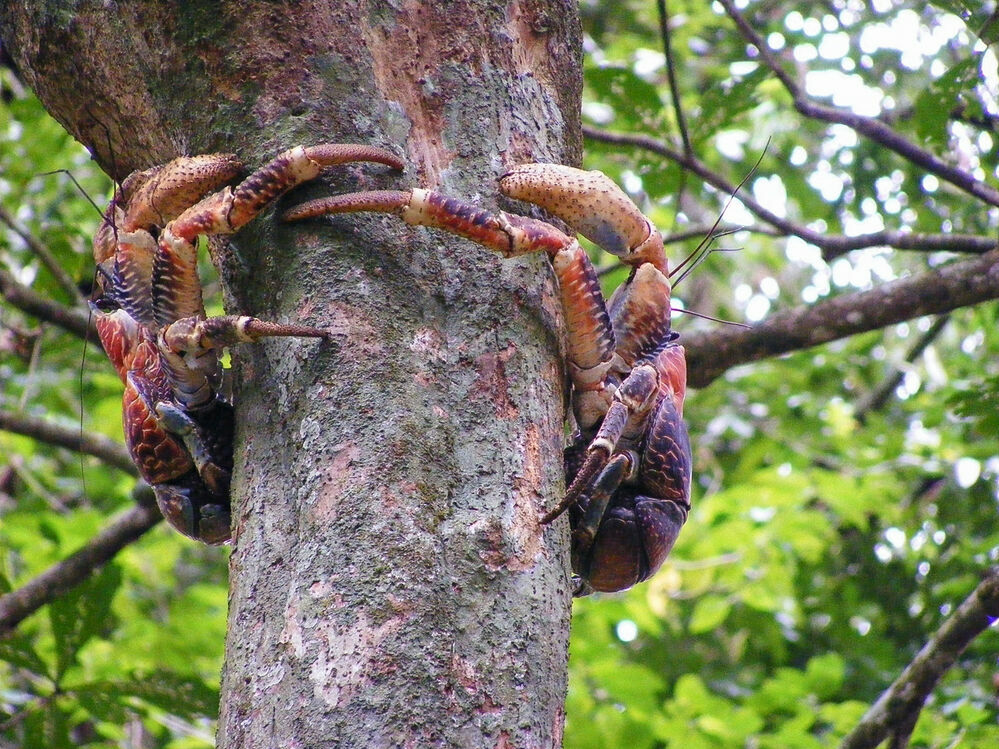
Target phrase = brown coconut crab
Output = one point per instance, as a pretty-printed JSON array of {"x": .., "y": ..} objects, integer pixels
[
  {"x": 628, "y": 466},
  {"x": 151, "y": 319}
]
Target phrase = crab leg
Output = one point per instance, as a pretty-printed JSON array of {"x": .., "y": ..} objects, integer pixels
[
  {"x": 590, "y": 335},
  {"x": 175, "y": 284},
  {"x": 189, "y": 347},
  {"x": 592, "y": 204}
]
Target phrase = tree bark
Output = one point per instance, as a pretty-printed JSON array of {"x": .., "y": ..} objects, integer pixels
[{"x": 390, "y": 584}]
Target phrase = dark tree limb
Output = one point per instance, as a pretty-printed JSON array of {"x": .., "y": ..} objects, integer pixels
[
  {"x": 111, "y": 452},
  {"x": 832, "y": 245},
  {"x": 877, "y": 398},
  {"x": 870, "y": 127},
  {"x": 674, "y": 88},
  {"x": 71, "y": 319},
  {"x": 959, "y": 284},
  {"x": 40, "y": 251},
  {"x": 77, "y": 567},
  {"x": 896, "y": 710}
]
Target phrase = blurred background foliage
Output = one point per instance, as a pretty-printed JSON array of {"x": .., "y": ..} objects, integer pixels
[{"x": 845, "y": 497}]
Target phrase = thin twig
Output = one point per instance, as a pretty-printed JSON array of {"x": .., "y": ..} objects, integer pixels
[
  {"x": 895, "y": 712},
  {"x": 960, "y": 284},
  {"x": 77, "y": 567},
  {"x": 878, "y": 397},
  {"x": 674, "y": 89},
  {"x": 39, "y": 249},
  {"x": 72, "y": 319},
  {"x": 870, "y": 127},
  {"x": 111, "y": 452},
  {"x": 832, "y": 246}
]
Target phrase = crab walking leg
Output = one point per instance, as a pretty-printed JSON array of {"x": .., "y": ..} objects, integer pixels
[
  {"x": 625, "y": 420},
  {"x": 176, "y": 288},
  {"x": 189, "y": 347},
  {"x": 590, "y": 335}
]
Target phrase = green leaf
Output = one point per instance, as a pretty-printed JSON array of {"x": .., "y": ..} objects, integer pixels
[
  {"x": 82, "y": 613},
  {"x": 19, "y": 650},
  {"x": 936, "y": 102},
  {"x": 635, "y": 102},
  {"x": 709, "y": 612},
  {"x": 825, "y": 674},
  {"x": 178, "y": 694}
]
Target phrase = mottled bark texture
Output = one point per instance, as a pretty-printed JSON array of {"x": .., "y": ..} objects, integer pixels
[{"x": 390, "y": 582}]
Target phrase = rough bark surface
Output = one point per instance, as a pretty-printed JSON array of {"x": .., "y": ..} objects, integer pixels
[{"x": 390, "y": 583}]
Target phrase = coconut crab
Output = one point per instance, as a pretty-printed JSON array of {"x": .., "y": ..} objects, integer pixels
[
  {"x": 628, "y": 466},
  {"x": 151, "y": 319}
]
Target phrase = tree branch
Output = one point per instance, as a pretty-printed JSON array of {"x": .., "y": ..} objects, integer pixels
[
  {"x": 896, "y": 710},
  {"x": 832, "y": 246},
  {"x": 681, "y": 121},
  {"x": 42, "y": 253},
  {"x": 877, "y": 398},
  {"x": 111, "y": 452},
  {"x": 72, "y": 319},
  {"x": 77, "y": 567},
  {"x": 871, "y": 127},
  {"x": 959, "y": 284}
]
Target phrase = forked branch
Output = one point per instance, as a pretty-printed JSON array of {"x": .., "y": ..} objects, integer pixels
[
  {"x": 895, "y": 712},
  {"x": 77, "y": 567}
]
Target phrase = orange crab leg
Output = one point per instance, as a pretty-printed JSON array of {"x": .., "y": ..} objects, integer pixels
[
  {"x": 590, "y": 334},
  {"x": 176, "y": 288}
]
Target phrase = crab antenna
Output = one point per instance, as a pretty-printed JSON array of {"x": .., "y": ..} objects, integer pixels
[
  {"x": 683, "y": 311},
  {"x": 711, "y": 233},
  {"x": 702, "y": 257},
  {"x": 702, "y": 250},
  {"x": 78, "y": 187}
]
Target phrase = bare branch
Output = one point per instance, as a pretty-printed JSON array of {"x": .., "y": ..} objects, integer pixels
[
  {"x": 959, "y": 284},
  {"x": 895, "y": 712},
  {"x": 71, "y": 319},
  {"x": 77, "y": 567},
  {"x": 674, "y": 88},
  {"x": 111, "y": 452},
  {"x": 871, "y": 127},
  {"x": 832, "y": 246},
  {"x": 42, "y": 253},
  {"x": 876, "y": 399}
]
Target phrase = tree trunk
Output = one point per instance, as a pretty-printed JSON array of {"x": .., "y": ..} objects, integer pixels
[{"x": 390, "y": 584}]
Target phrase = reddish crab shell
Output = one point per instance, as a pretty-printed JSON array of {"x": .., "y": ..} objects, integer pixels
[{"x": 151, "y": 319}]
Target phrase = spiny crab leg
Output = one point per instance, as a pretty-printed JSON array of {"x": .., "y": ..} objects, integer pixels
[
  {"x": 189, "y": 347},
  {"x": 590, "y": 334},
  {"x": 625, "y": 419},
  {"x": 175, "y": 284},
  {"x": 189, "y": 340}
]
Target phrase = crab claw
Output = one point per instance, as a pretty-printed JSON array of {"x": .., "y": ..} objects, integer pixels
[{"x": 593, "y": 205}]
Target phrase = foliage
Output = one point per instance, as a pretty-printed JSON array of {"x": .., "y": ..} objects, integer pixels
[
  {"x": 135, "y": 652},
  {"x": 831, "y": 534},
  {"x": 827, "y": 540}
]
